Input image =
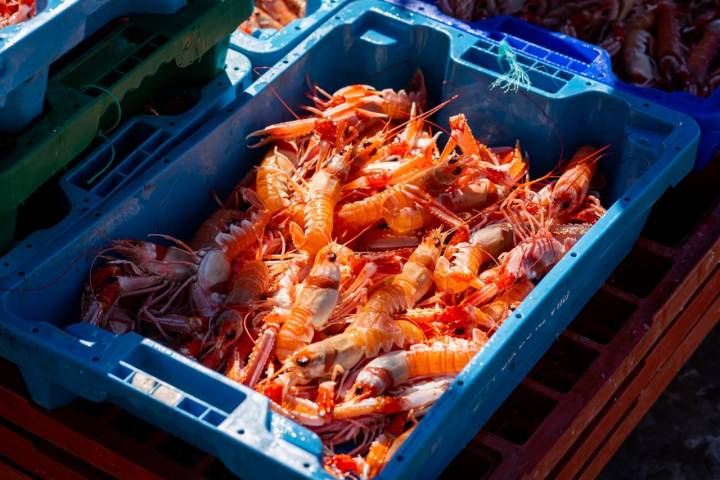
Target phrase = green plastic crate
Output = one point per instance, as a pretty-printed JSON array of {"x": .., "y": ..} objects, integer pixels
[{"x": 107, "y": 83}]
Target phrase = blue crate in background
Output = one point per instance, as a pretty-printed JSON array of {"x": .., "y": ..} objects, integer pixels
[
  {"x": 28, "y": 48},
  {"x": 266, "y": 47},
  {"x": 372, "y": 42},
  {"x": 134, "y": 148},
  {"x": 590, "y": 61}
]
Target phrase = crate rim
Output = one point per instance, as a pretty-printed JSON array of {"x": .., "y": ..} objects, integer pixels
[
  {"x": 661, "y": 168},
  {"x": 706, "y": 110}
]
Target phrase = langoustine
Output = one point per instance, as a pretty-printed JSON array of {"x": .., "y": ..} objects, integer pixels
[{"x": 355, "y": 340}]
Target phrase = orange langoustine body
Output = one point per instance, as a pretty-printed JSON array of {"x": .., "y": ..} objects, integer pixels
[{"x": 352, "y": 309}]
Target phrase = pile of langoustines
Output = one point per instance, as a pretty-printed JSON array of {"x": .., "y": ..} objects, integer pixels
[{"x": 357, "y": 269}]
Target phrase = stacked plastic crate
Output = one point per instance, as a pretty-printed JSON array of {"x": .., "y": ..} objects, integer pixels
[
  {"x": 126, "y": 191},
  {"x": 590, "y": 61},
  {"x": 104, "y": 69}
]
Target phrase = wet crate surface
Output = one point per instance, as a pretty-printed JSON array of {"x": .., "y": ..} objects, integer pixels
[
  {"x": 650, "y": 153},
  {"x": 588, "y": 60}
]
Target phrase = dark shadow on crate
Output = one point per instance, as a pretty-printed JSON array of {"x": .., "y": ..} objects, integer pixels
[
  {"x": 602, "y": 317},
  {"x": 55, "y": 453},
  {"x": 521, "y": 414},
  {"x": 563, "y": 365},
  {"x": 133, "y": 427},
  {"x": 478, "y": 459},
  {"x": 12, "y": 379},
  {"x": 180, "y": 451},
  {"x": 173, "y": 100},
  {"x": 677, "y": 214},
  {"x": 217, "y": 471},
  {"x": 93, "y": 410},
  {"x": 640, "y": 272},
  {"x": 43, "y": 209}
]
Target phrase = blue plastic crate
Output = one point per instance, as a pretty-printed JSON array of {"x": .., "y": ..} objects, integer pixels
[
  {"x": 266, "y": 47},
  {"x": 133, "y": 148},
  {"x": 28, "y": 48},
  {"x": 368, "y": 41},
  {"x": 588, "y": 60}
]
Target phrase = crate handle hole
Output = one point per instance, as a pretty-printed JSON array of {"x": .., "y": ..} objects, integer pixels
[
  {"x": 518, "y": 315},
  {"x": 95, "y": 359},
  {"x": 460, "y": 383},
  {"x": 6, "y": 264},
  {"x": 241, "y": 431},
  {"x": 573, "y": 254},
  {"x": 400, "y": 458},
  {"x": 21, "y": 274},
  {"x": 36, "y": 330},
  {"x": 306, "y": 465}
]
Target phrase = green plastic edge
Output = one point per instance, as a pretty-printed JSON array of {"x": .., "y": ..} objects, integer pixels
[{"x": 196, "y": 42}]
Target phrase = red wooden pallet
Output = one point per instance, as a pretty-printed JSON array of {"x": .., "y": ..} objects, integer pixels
[{"x": 565, "y": 420}]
